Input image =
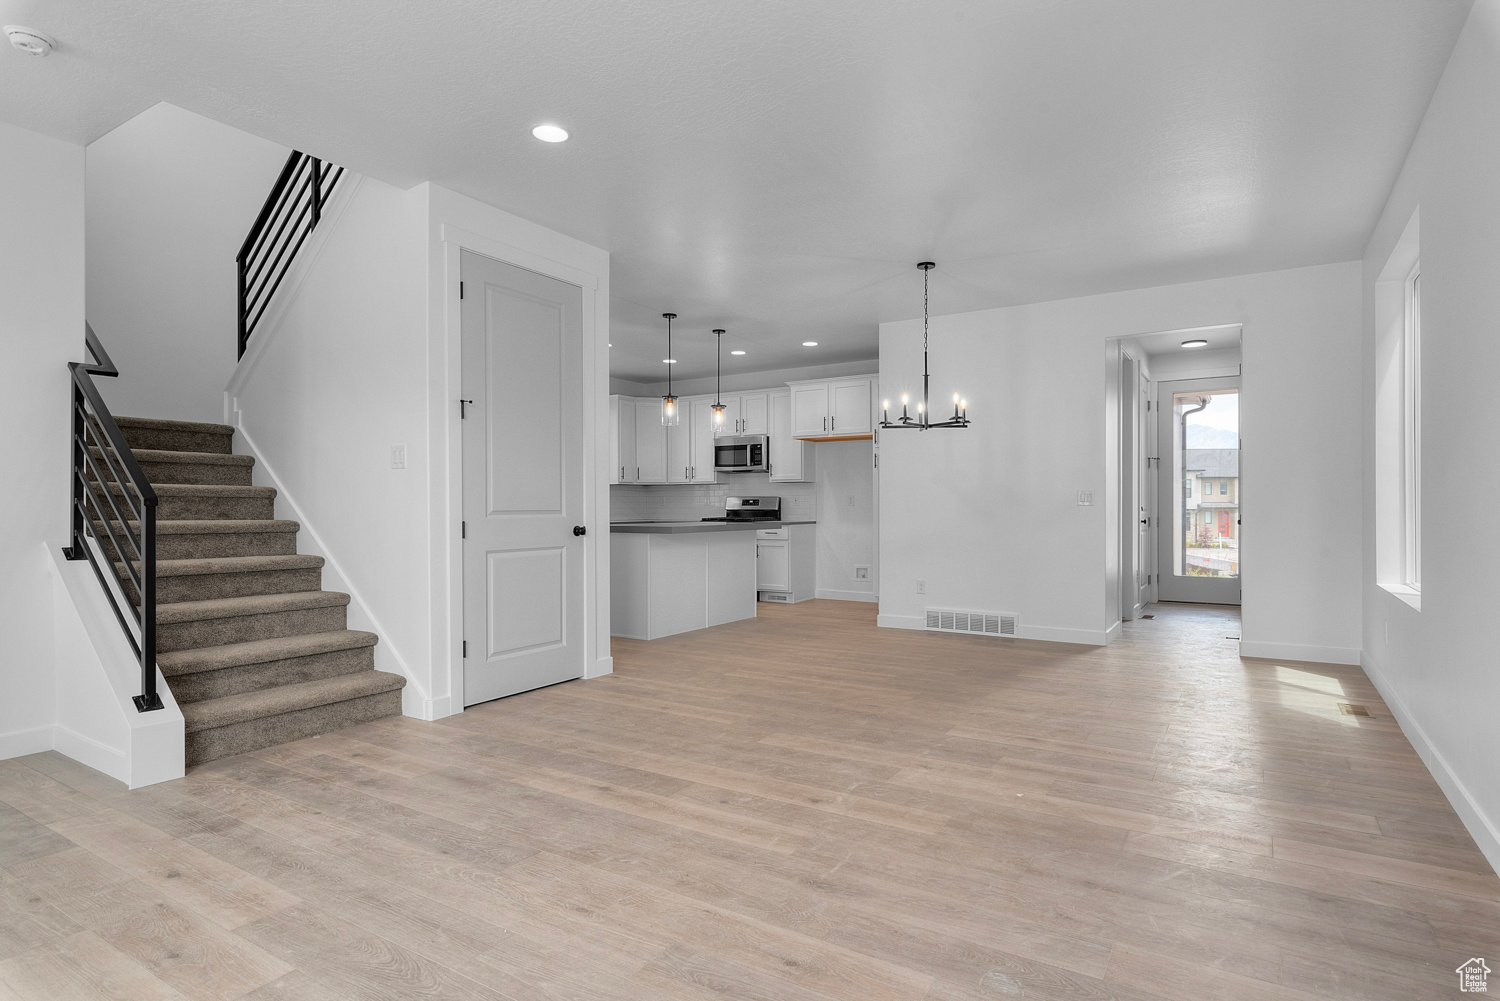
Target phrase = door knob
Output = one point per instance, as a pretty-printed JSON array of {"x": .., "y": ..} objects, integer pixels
[{"x": 580, "y": 530}]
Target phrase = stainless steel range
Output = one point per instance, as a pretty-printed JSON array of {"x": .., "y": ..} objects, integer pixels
[{"x": 750, "y": 509}]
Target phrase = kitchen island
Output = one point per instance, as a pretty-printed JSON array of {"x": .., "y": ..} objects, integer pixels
[{"x": 669, "y": 577}]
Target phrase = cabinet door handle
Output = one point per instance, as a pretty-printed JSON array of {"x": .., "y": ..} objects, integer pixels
[
  {"x": 637, "y": 472},
  {"x": 622, "y": 472},
  {"x": 833, "y": 422},
  {"x": 685, "y": 475}
]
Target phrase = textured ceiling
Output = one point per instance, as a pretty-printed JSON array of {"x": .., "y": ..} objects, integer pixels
[{"x": 776, "y": 167}]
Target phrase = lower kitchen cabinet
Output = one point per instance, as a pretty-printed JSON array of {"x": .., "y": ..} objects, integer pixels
[{"x": 786, "y": 563}]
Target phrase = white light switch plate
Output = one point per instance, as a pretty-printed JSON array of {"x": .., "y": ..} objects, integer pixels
[{"x": 398, "y": 456}]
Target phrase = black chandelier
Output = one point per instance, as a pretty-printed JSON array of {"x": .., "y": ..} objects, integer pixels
[{"x": 921, "y": 422}]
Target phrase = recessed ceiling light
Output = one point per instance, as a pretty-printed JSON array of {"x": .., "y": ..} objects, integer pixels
[
  {"x": 736, "y": 352},
  {"x": 550, "y": 133},
  {"x": 1195, "y": 342},
  {"x": 809, "y": 344},
  {"x": 669, "y": 361}
]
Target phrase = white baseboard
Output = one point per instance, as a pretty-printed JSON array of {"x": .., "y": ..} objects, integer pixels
[
  {"x": 1299, "y": 651},
  {"x": 901, "y": 621},
  {"x": 109, "y": 760},
  {"x": 846, "y": 595},
  {"x": 19, "y": 743},
  {"x": 1113, "y": 633},
  {"x": 1061, "y": 634},
  {"x": 602, "y": 666},
  {"x": 1481, "y": 828}
]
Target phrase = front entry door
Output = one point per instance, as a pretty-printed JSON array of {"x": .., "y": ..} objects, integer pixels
[
  {"x": 522, "y": 336},
  {"x": 1199, "y": 538}
]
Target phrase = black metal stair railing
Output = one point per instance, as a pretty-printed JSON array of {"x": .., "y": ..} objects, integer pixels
[
  {"x": 292, "y": 211},
  {"x": 113, "y": 503}
]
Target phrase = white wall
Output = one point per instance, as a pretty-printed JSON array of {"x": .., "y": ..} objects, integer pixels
[
  {"x": 363, "y": 355},
  {"x": 735, "y": 381},
  {"x": 1436, "y": 667},
  {"x": 989, "y": 517},
  {"x": 846, "y": 519},
  {"x": 41, "y": 330},
  {"x": 333, "y": 379},
  {"x": 171, "y": 196}
]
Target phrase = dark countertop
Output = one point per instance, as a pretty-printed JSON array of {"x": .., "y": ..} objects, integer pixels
[{"x": 689, "y": 527}]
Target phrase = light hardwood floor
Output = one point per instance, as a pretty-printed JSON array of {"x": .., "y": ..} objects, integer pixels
[{"x": 794, "y": 807}]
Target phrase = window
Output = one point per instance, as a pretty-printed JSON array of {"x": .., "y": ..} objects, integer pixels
[
  {"x": 1223, "y": 487},
  {"x": 1411, "y": 349},
  {"x": 1187, "y": 489},
  {"x": 1398, "y": 419}
]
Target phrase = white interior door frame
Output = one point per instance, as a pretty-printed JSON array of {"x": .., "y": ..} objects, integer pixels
[{"x": 588, "y": 268}]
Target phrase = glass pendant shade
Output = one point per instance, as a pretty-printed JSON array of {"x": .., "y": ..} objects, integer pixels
[{"x": 719, "y": 408}]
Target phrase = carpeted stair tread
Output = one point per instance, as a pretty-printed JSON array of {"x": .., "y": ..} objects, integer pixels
[
  {"x": 233, "y": 564},
  {"x": 217, "y": 658},
  {"x": 163, "y": 456},
  {"x": 205, "y": 489},
  {"x": 217, "y": 526},
  {"x": 157, "y": 424},
  {"x": 233, "y": 709},
  {"x": 259, "y": 604}
]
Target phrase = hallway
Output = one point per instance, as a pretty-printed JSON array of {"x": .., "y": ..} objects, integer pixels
[{"x": 796, "y": 806}]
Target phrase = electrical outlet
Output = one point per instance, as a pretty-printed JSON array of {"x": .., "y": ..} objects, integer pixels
[
  {"x": 861, "y": 573},
  {"x": 921, "y": 586},
  {"x": 398, "y": 456},
  {"x": 851, "y": 500},
  {"x": 1085, "y": 498}
]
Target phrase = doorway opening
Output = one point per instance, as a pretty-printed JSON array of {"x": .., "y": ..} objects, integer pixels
[{"x": 1174, "y": 413}]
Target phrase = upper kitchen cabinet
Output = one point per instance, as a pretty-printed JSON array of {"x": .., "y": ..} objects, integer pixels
[
  {"x": 837, "y": 408},
  {"x": 745, "y": 413},
  {"x": 698, "y": 416},
  {"x": 622, "y": 439},
  {"x": 791, "y": 459},
  {"x": 650, "y": 443}
]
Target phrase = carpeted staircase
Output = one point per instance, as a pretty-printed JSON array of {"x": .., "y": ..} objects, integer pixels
[{"x": 254, "y": 651}]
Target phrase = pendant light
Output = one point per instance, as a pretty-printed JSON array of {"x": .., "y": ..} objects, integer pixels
[
  {"x": 922, "y": 421},
  {"x": 669, "y": 408},
  {"x": 719, "y": 407}
]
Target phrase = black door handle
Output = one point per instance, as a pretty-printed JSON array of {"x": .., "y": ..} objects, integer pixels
[{"x": 580, "y": 530}]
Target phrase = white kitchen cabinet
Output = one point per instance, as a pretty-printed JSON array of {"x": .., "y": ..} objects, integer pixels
[
  {"x": 786, "y": 563},
  {"x": 745, "y": 413},
  {"x": 680, "y": 445},
  {"x": 650, "y": 443},
  {"x": 701, "y": 449},
  {"x": 850, "y": 399},
  {"x": 791, "y": 459},
  {"x": 622, "y": 439},
  {"x": 838, "y": 408},
  {"x": 772, "y": 572},
  {"x": 809, "y": 409}
]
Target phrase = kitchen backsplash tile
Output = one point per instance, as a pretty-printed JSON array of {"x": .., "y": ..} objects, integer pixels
[{"x": 692, "y": 501}]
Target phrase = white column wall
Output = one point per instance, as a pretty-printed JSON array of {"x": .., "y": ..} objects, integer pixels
[{"x": 41, "y": 330}]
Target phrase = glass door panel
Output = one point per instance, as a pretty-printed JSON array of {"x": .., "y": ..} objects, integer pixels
[{"x": 1200, "y": 449}]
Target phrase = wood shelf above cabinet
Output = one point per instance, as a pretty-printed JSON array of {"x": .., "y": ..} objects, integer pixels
[{"x": 838, "y": 437}]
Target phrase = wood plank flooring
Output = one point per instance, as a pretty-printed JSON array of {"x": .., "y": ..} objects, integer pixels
[{"x": 800, "y": 807}]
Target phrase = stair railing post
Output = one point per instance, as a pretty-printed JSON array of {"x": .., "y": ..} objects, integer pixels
[
  {"x": 240, "y": 286},
  {"x": 149, "y": 698},
  {"x": 75, "y": 550}
]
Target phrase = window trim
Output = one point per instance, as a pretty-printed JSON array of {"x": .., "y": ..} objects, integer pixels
[{"x": 1411, "y": 445}]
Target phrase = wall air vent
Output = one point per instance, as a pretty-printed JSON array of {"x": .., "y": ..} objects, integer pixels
[{"x": 973, "y": 623}]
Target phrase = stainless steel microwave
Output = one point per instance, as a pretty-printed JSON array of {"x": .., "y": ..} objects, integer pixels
[{"x": 746, "y": 453}]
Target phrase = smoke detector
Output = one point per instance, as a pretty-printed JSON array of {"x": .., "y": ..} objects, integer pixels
[{"x": 33, "y": 43}]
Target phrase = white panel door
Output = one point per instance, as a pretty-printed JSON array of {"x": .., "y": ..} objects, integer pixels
[
  {"x": 851, "y": 407},
  {"x": 754, "y": 418},
  {"x": 523, "y": 457},
  {"x": 650, "y": 443},
  {"x": 810, "y": 410},
  {"x": 701, "y": 461}
]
